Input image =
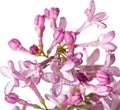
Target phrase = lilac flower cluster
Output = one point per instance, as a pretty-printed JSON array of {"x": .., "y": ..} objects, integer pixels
[{"x": 67, "y": 67}]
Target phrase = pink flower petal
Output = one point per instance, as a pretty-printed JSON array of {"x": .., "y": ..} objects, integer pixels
[
  {"x": 67, "y": 75},
  {"x": 108, "y": 37},
  {"x": 93, "y": 57},
  {"x": 63, "y": 23},
  {"x": 92, "y": 7},
  {"x": 109, "y": 46},
  {"x": 114, "y": 70},
  {"x": 110, "y": 59},
  {"x": 68, "y": 65},
  {"x": 100, "y": 24},
  {"x": 15, "y": 108},
  {"x": 28, "y": 73},
  {"x": 5, "y": 71},
  {"x": 9, "y": 87},
  {"x": 88, "y": 14},
  {"x": 100, "y": 16},
  {"x": 56, "y": 89}
]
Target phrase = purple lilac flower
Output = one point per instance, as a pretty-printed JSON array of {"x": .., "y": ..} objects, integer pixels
[
  {"x": 39, "y": 22},
  {"x": 52, "y": 15},
  {"x": 95, "y": 18},
  {"x": 68, "y": 67}
]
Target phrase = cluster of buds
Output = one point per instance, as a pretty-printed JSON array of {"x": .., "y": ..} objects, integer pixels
[{"x": 71, "y": 77}]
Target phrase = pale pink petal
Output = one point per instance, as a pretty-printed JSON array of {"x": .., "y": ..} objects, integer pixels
[
  {"x": 100, "y": 16},
  {"x": 108, "y": 37},
  {"x": 63, "y": 23},
  {"x": 88, "y": 14},
  {"x": 100, "y": 24},
  {"x": 36, "y": 78},
  {"x": 93, "y": 57},
  {"x": 91, "y": 68},
  {"x": 114, "y": 71},
  {"x": 50, "y": 77},
  {"x": 92, "y": 7},
  {"x": 56, "y": 89},
  {"x": 14, "y": 73},
  {"x": 29, "y": 64},
  {"x": 15, "y": 108},
  {"x": 66, "y": 70},
  {"x": 9, "y": 87},
  {"x": 110, "y": 59},
  {"x": 109, "y": 46},
  {"x": 51, "y": 98},
  {"x": 101, "y": 90},
  {"x": 67, "y": 75},
  {"x": 47, "y": 77},
  {"x": 5, "y": 71},
  {"x": 68, "y": 65},
  {"x": 28, "y": 72},
  {"x": 59, "y": 100}
]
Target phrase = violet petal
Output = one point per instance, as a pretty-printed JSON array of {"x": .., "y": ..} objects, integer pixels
[
  {"x": 108, "y": 37},
  {"x": 92, "y": 7},
  {"x": 109, "y": 46},
  {"x": 93, "y": 57},
  {"x": 100, "y": 16},
  {"x": 56, "y": 89},
  {"x": 63, "y": 23}
]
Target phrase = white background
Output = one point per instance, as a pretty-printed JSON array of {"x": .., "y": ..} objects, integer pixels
[{"x": 16, "y": 20}]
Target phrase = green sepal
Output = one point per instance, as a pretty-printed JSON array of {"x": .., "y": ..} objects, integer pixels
[
  {"x": 37, "y": 106},
  {"x": 40, "y": 47},
  {"x": 42, "y": 101},
  {"x": 59, "y": 107}
]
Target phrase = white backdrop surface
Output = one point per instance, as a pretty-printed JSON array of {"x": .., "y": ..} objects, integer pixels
[{"x": 16, "y": 20}]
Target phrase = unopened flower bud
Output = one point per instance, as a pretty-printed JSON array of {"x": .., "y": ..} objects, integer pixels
[
  {"x": 103, "y": 77},
  {"x": 14, "y": 44},
  {"x": 11, "y": 98},
  {"x": 58, "y": 35},
  {"x": 34, "y": 49},
  {"x": 69, "y": 38},
  {"x": 76, "y": 98},
  {"x": 39, "y": 22}
]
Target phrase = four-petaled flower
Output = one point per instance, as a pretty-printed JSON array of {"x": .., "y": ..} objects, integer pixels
[{"x": 95, "y": 18}]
